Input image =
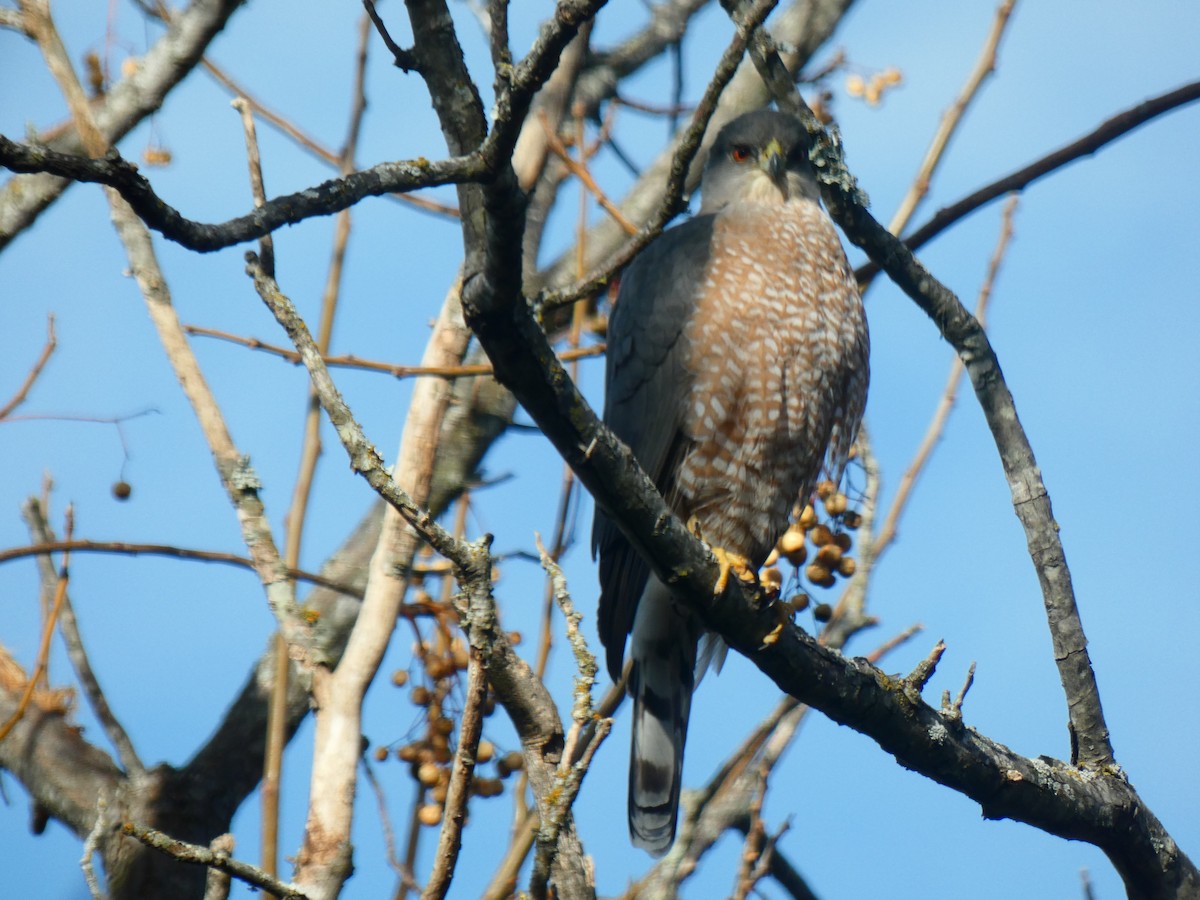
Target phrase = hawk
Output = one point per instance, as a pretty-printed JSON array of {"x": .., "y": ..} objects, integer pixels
[{"x": 737, "y": 373}]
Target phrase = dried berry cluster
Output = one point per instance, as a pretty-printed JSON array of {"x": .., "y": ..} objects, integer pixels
[
  {"x": 830, "y": 542},
  {"x": 442, "y": 657},
  {"x": 874, "y": 87}
]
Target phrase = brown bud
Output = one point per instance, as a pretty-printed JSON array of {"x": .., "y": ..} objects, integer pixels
[
  {"x": 409, "y": 753},
  {"x": 847, "y": 566},
  {"x": 485, "y": 751},
  {"x": 799, "y": 602},
  {"x": 420, "y": 695},
  {"x": 836, "y": 505},
  {"x": 822, "y": 612},
  {"x": 851, "y": 520},
  {"x": 442, "y": 725},
  {"x": 842, "y": 540},
  {"x": 381, "y": 753},
  {"x": 400, "y": 678},
  {"x": 122, "y": 489},
  {"x": 826, "y": 489}
]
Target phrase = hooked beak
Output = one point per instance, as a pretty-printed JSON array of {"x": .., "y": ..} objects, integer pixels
[{"x": 773, "y": 161}]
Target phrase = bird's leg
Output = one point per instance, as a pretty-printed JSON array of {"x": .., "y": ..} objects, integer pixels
[{"x": 727, "y": 562}]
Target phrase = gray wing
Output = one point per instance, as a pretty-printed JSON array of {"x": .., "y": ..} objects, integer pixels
[{"x": 646, "y": 390}]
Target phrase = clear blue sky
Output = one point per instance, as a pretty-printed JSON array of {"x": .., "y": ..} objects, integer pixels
[{"x": 1094, "y": 316}]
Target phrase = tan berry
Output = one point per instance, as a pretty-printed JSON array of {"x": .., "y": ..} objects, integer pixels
[
  {"x": 429, "y": 773},
  {"x": 820, "y": 535},
  {"x": 819, "y": 575},
  {"x": 430, "y": 814},
  {"x": 808, "y": 518}
]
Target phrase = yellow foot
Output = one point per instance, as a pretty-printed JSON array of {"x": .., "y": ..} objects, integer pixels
[
  {"x": 783, "y": 613},
  {"x": 732, "y": 562}
]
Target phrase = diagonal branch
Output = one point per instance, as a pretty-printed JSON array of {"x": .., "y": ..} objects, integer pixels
[
  {"x": 1105, "y": 133},
  {"x": 35, "y": 519}
]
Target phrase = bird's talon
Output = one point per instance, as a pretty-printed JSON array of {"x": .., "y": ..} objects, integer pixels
[
  {"x": 783, "y": 615},
  {"x": 732, "y": 562}
]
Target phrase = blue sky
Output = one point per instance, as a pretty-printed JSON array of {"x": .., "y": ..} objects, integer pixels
[{"x": 1094, "y": 318}]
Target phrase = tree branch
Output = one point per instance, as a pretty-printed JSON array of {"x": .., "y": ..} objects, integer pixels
[
  {"x": 324, "y": 199},
  {"x": 1105, "y": 133},
  {"x": 126, "y": 104}
]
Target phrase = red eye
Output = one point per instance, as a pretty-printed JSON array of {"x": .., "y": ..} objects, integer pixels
[{"x": 739, "y": 154}]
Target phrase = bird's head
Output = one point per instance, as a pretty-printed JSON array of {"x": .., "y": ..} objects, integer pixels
[{"x": 759, "y": 157}]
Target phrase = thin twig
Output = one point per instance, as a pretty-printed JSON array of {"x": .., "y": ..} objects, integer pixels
[
  {"x": 34, "y": 371},
  {"x": 126, "y": 548},
  {"x": 554, "y": 808},
  {"x": 43, "y": 654},
  {"x": 1105, "y": 133},
  {"x": 985, "y": 65},
  {"x": 349, "y": 361},
  {"x": 408, "y": 865},
  {"x": 34, "y": 514},
  {"x": 923, "y": 671},
  {"x": 580, "y": 171},
  {"x": 266, "y": 243},
  {"x": 91, "y": 846},
  {"x": 277, "y": 701},
  {"x": 470, "y": 728},
  {"x": 218, "y": 882},
  {"x": 385, "y": 819},
  {"x": 203, "y": 856}
]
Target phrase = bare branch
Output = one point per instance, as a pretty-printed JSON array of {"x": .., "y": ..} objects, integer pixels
[
  {"x": 126, "y": 104},
  {"x": 43, "y": 654},
  {"x": 34, "y": 371},
  {"x": 131, "y": 549},
  {"x": 985, "y": 65},
  {"x": 1108, "y": 131},
  {"x": 470, "y": 728},
  {"x": 350, "y": 361},
  {"x": 216, "y": 859},
  {"x": 40, "y": 531},
  {"x": 321, "y": 200}
]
